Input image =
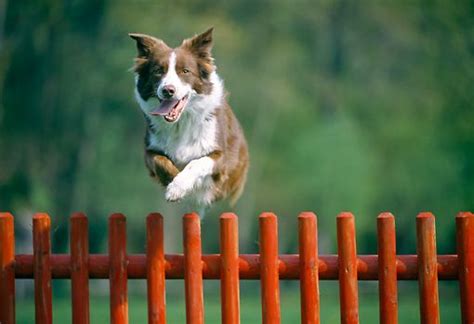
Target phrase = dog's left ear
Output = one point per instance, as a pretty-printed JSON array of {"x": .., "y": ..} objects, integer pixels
[
  {"x": 145, "y": 43},
  {"x": 201, "y": 44}
]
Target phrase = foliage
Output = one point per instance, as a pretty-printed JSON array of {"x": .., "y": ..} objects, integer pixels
[{"x": 347, "y": 105}]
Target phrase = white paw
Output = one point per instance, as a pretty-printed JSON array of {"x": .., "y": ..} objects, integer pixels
[{"x": 177, "y": 189}]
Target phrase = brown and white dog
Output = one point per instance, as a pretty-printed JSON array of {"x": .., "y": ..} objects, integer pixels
[{"x": 194, "y": 144}]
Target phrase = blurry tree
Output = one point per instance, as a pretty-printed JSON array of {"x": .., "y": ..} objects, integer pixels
[
  {"x": 44, "y": 120},
  {"x": 347, "y": 105}
]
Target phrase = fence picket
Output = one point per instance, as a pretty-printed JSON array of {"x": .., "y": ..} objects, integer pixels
[
  {"x": 465, "y": 250},
  {"x": 79, "y": 269},
  {"x": 269, "y": 263},
  {"x": 193, "y": 269},
  {"x": 229, "y": 268},
  {"x": 346, "y": 250},
  {"x": 118, "y": 269},
  {"x": 42, "y": 268},
  {"x": 309, "y": 277},
  {"x": 7, "y": 269},
  {"x": 427, "y": 268},
  {"x": 155, "y": 258},
  {"x": 387, "y": 254}
]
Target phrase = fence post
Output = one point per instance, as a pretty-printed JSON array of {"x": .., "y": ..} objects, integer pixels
[
  {"x": 308, "y": 262},
  {"x": 387, "y": 268},
  {"x": 269, "y": 276},
  {"x": 229, "y": 268},
  {"x": 427, "y": 268},
  {"x": 465, "y": 250},
  {"x": 79, "y": 268},
  {"x": 155, "y": 260},
  {"x": 42, "y": 268},
  {"x": 118, "y": 269},
  {"x": 347, "y": 261},
  {"x": 193, "y": 269},
  {"x": 7, "y": 269}
]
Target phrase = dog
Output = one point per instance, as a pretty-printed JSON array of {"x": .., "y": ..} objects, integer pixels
[{"x": 194, "y": 144}]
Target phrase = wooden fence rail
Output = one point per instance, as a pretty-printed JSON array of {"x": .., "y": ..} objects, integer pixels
[{"x": 230, "y": 267}]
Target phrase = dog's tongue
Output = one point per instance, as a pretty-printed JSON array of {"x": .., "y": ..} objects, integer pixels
[{"x": 165, "y": 107}]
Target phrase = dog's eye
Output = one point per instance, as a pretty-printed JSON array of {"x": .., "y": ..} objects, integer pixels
[
  {"x": 159, "y": 70},
  {"x": 185, "y": 70}
]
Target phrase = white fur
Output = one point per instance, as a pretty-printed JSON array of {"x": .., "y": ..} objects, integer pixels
[
  {"x": 171, "y": 78},
  {"x": 194, "y": 135},
  {"x": 188, "y": 141},
  {"x": 193, "y": 176}
]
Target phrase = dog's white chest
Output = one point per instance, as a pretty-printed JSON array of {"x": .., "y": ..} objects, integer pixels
[{"x": 194, "y": 137}]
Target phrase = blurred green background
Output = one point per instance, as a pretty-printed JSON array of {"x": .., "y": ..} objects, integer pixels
[{"x": 365, "y": 106}]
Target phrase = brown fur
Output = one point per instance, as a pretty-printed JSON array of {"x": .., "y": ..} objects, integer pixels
[
  {"x": 230, "y": 171},
  {"x": 160, "y": 167}
]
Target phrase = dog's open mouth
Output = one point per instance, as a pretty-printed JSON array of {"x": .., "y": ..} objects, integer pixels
[{"x": 170, "y": 109}]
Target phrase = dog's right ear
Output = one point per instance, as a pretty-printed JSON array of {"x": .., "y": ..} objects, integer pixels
[{"x": 145, "y": 43}]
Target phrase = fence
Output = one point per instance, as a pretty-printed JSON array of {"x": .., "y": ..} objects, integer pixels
[{"x": 269, "y": 267}]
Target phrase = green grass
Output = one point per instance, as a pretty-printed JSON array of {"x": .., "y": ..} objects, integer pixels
[{"x": 250, "y": 305}]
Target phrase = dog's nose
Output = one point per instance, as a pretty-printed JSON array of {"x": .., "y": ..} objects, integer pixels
[{"x": 168, "y": 91}]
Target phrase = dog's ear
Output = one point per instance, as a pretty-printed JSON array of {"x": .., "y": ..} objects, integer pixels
[
  {"x": 146, "y": 43},
  {"x": 200, "y": 44}
]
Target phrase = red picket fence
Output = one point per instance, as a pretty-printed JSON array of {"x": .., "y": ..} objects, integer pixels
[{"x": 269, "y": 267}]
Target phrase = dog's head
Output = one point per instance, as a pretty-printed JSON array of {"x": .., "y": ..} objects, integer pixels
[{"x": 167, "y": 78}]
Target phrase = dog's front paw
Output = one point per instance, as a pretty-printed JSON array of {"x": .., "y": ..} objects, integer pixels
[{"x": 176, "y": 190}]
